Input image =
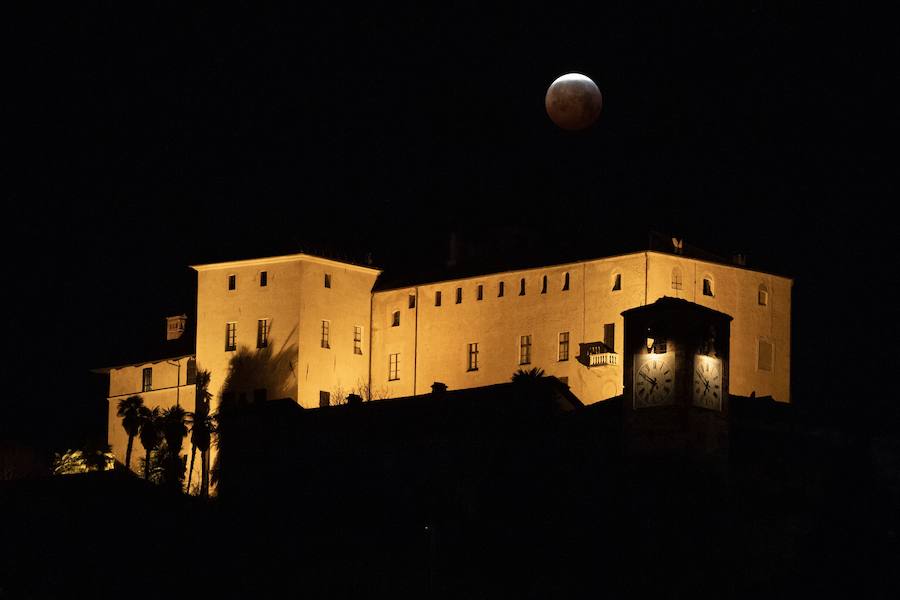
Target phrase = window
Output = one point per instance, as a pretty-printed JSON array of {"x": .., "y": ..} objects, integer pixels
[
  {"x": 459, "y": 295},
  {"x": 394, "y": 367},
  {"x": 500, "y": 290},
  {"x": 617, "y": 282},
  {"x": 232, "y": 282},
  {"x": 263, "y": 278},
  {"x": 191, "y": 371},
  {"x": 609, "y": 336},
  {"x": 147, "y": 383},
  {"x": 328, "y": 280},
  {"x": 357, "y": 339},
  {"x": 395, "y": 319},
  {"x": 544, "y": 285},
  {"x": 230, "y": 336},
  {"x": 565, "y": 282},
  {"x": 708, "y": 287},
  {"x": 563, "y": 346},
  {"x": 325, "y": 327},
  {"x": 473, "y": 357},
  {"x": 564, "y": 380},
  {"x": 412, "y": 300},
  {"x": 762, "y": 295},
  {"x": 262, "y": 333},
  {"x": 525, "y": 350},
  {"x": 676, "y": 278},
  {"x": 437, "y": 298},
  {"x": 480, "y": 294},
  {"x": 324, "y": 399},
  {"x": 260, "y": 395},
  {"x": 522, "y": 287},
  {"x": 765, "y": 359}
]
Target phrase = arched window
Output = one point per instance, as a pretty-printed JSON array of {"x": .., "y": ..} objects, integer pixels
[
  {"x": 677, "y": 279},
  {"x": 616, "y": 282},
  {"x": 762, "y": 295},
  {"x": 544, "y": 285},
  {"x": 395, "y": 321},
  {"x": 522, "y": 287},
  {"x": 565, "y": 282},
  {"x": 708, "y": 287}
]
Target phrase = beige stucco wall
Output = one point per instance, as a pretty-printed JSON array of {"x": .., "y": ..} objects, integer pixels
[
  {"x": 432, "y": 341},
  {"x": 295, "y": 301},
  {"x": 168, "y": 389},
  {"x": 735, "y": 290}
]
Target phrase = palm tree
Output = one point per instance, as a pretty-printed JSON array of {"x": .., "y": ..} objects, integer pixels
[
  {"x": 172, "y": 425},
  {"x": 130, "y": 411},
  {"x": 529, "y": 376},
  {"x": 202, "y": 428},
  {"x": 150, "y": 434}
]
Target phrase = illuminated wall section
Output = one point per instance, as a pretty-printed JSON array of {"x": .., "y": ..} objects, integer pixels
[
  {"x": 168, "y": 388},
  {"x": 432, "y": 341},
  {"x": 760, "y": 304},
  {"x": 301, "y": 358}
]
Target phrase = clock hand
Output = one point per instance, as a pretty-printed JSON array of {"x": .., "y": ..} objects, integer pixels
[
  {"x": 702, "y": 377},
  {"x": 648, "y": 378}
]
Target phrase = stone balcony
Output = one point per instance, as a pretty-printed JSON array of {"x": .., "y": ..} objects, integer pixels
[{"x": 597, "y": 354}]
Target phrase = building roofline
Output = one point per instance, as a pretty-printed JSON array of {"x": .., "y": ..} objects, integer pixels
[
  {"x": 154, "y": 361},
  {"x": 578, "y": 263},
  {"x": 283, "y": 259}
]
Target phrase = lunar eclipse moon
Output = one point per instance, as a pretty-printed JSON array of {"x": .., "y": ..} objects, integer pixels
[{"x": 573, "y": 102}]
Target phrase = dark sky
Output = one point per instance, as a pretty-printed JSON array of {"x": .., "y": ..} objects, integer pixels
[{"x": 158, "y": 137}]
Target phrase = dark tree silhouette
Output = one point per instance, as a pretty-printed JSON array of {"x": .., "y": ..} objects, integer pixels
[
  {"x": 172, "y": 425},
  {"x": 150, "y": 435},
  {"x": 202, "y": 427},
  {"x": 529, "y": 376},
  {"x": 129, "y": 410}
]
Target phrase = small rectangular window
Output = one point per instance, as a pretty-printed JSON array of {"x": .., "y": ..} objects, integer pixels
[
  {"x": 500, "y": 290},
  {"x": 544, "y": 285},
  {"x": 328, "y": 280},
  {"x": 230, "y": 336},
  {"x": 459, "y": 295},
  {"x": 412, "y": 300},
  {"x": 394, "y": 367},
  {"x": 395, "y": 319},
  {"x": 609, "y": 336},
  {"x": 262, "y": 333},
  {"x": 147, "y": 383},
  {"x": 473, "y": 357},
  {"x": 324, "y": 399},
  {"x": 357, "y": 339},
  {"x": 565, "y": 282},
  {"x": 232, "y": 282},
  {"x": 263, "y": 278},
  {"x": 480, "y": 294},
  {"x": 191, "y": 371},
  {"x": 525, "y": 350},
  {"x": 325, "y": 333},
  {"x": 522, "y": 287},
  {"x": 617, "y": 282},
  {"x": 762, "y": 297},
  {"x": 437, "y": 298},
  {"x": 564, "y": 346},
  {"x": 766, "y": 356}
]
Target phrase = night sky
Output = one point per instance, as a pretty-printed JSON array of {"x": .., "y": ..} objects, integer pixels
[{"x": 156, "y": 138}]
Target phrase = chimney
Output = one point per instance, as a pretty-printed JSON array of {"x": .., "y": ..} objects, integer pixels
[
  {"x": 438, "y": 388},
  {"x": 175, "y": 327},
  {"x": 678, "y": 245}
]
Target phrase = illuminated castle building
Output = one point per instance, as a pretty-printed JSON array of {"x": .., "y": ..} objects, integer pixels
[{"x": 316, "y": 329}]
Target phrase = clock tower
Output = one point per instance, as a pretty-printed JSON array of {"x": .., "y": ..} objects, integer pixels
[{"x": 676, "y": 381}]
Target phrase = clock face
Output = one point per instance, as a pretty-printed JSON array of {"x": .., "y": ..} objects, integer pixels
[
  {"x": 707, "y": 387},
  {"x": 654, "y": 380}
]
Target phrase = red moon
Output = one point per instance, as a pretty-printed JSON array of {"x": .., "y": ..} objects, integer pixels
[{"x": 573, "y": 102}]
